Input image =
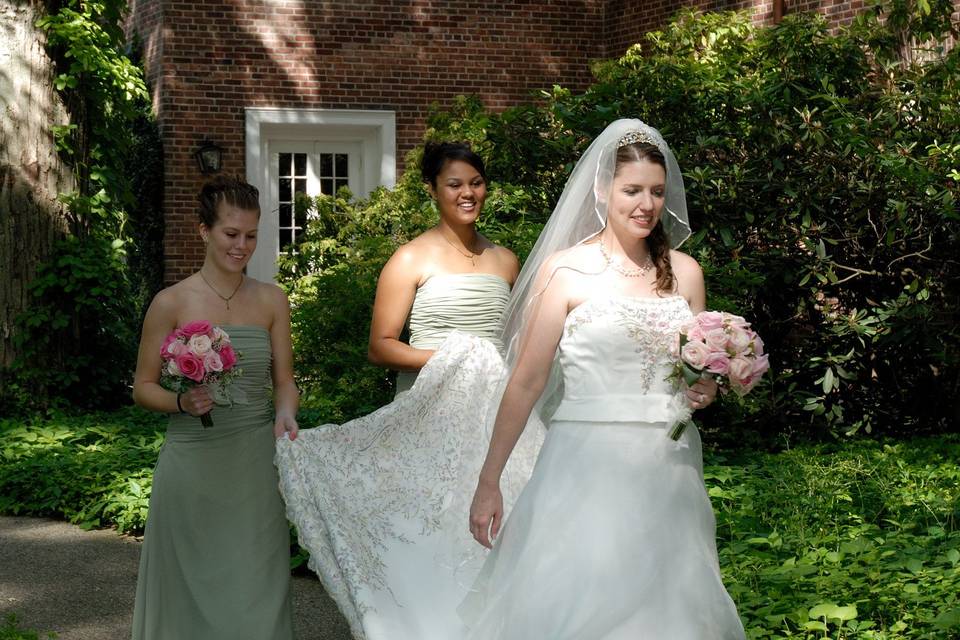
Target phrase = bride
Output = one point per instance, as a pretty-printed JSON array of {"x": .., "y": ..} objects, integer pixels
[
  {"x": 379, "y": 502},
  {"x": 613, "y": 537}
]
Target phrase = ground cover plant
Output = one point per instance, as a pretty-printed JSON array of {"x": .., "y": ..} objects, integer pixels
[
  {"x": 11, "y": 630},
  {"x": 857, "y": 539},
  {"x": 93, "y": 470}
]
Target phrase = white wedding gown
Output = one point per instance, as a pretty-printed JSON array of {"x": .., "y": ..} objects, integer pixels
[
  {"x": 382, "y": 502},
  {"x": 613, "y": 537}
]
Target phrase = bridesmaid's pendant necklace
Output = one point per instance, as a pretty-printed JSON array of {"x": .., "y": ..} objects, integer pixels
[
  {"x": 637, "y": 272},
  {"x": 226, "y": 299},
  {"x": 470, "y": 255}
]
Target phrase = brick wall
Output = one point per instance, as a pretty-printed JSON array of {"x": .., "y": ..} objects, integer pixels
[{"x": 207, "y": 61}]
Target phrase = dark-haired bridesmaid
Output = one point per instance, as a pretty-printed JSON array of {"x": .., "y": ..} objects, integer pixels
[
  {"x": 215, "y": 563},
  {"x": 379, "y": 501}
]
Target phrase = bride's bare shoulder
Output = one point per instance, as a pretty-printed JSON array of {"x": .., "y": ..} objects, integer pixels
[{"x": 567, "y": 267}]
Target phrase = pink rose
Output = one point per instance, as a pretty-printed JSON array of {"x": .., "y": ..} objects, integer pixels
[
  {"x": 741, "y": 370},
  {"x": 757, "y": 345},
  {"x": 736, "y": 321},
  {"x": 695, "y": 354},
  {"x": 195, "y": 327},
  {"x": 718, "y": 362},
  {"x": 716, "y": 339},
  {"x": 694, "y": 333},
  {"x": 165, "y": 351},
  {"x": 176, "y": 348},
  {"x": 708, "y": 320},
  {"x": 228, "y": 357},
  {"x": 739, "y": 340},
  {"x": 212, "y": 361},
  {"x": 190, "y": 366},
  {"x": 760, "y": 365}
]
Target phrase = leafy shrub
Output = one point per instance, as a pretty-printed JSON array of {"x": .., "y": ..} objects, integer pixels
[
  {"x": 74, "y": 346},
  {"x": 821, "y": 178},
  {"x": 76, "y": 342},
  {"x": 94, "y": 470}
]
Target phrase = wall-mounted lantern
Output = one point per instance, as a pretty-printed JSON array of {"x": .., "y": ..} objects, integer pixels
[{"x": 209, "y": 157}]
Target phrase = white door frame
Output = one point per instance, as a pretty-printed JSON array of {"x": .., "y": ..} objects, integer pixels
[{"x": 374, "y": 131}]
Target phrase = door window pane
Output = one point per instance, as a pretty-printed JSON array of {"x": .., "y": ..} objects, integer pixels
[{"x": 292, "y": 180}]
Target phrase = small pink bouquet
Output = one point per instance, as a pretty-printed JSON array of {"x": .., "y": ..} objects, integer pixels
[
  {"x": 197, "y": 354},
  {"x": 721, "y": 345}
]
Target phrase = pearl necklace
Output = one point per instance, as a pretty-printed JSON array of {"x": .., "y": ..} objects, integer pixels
[
  {"x": 637, "y": 272},
  {"x": 226, "y": 299}
]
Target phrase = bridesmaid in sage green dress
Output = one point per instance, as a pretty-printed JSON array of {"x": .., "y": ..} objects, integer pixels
[{"x": 215, "y": 558}]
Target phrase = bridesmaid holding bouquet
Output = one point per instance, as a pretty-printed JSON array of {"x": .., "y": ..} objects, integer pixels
[{"x": 215, "y": 558}]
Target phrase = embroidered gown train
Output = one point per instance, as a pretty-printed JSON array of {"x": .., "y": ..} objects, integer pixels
[
  {"x": 381, "y": 502},
  {"x": 613, "y": 537}
]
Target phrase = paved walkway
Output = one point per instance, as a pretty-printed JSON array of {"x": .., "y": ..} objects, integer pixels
[{"x": 81, "y": 584}]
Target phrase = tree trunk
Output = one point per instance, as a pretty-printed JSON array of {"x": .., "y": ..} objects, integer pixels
[{"x": 31, "y": 172}]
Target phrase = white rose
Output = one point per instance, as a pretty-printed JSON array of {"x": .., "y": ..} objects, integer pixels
[
  {"x": 199, "y": 344},
  {"x": 172, "y": 368}
]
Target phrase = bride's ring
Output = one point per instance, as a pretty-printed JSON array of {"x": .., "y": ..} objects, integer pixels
[{"x": 702, "y": 398}]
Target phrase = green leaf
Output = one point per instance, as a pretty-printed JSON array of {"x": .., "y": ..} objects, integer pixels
[{"x": 828, "y": 381}]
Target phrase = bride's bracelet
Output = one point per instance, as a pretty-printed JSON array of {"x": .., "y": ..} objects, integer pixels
[{"x": 179, "y": 407}]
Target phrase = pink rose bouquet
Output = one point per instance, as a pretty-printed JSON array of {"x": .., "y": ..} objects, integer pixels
[
  {"x": 199, "y": 353},
  {"x": 721, "y": 345}
]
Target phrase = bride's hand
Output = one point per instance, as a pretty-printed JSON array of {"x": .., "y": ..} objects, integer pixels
[
  {"x": 486, "y": 514},
  {"x": 702, "y": 393}
]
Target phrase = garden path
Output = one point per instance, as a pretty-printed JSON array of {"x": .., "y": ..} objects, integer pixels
[{"x": 80, "y": 584}]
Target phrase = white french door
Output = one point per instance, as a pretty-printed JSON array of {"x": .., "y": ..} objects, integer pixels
[{"x": 309, "y": 168}]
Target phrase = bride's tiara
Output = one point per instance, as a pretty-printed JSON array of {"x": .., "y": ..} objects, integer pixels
[{"x": 633, "y": 137}]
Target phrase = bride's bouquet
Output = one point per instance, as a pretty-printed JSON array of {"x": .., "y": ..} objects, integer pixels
[
  {"x": 722, "y": 346},
  {"x": 200, "y": 354}
]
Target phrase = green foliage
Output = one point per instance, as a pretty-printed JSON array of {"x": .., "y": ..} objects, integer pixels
[
  {"x": 10, "y": 630},
  {"x": 857, "y": 542},
  {"x": 822, "y": 185},
  {"x": 75, "y": 343},
  {"x": 94, "y": 470},
  {"x": 144, "y": 168},
  {"x": 104, "y": 92}
]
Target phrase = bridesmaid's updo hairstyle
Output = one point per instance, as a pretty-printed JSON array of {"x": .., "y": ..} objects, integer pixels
[
  {"x": 233, "y": 191},
  {"x": 437, "y": 154},
  {"x": 657, "y": 241}
]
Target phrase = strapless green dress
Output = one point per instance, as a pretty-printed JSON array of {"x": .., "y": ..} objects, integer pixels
[{"x": 215, "y": 562}]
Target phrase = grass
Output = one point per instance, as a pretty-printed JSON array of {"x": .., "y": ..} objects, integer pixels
[
  {"x": 10, "y": 630},
  {"x": 857, "y": 540}
]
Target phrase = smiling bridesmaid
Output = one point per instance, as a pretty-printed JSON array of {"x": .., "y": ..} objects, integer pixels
[
  {"x": 215, "y": 558},
  {"x": 380, "y": 501}
]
